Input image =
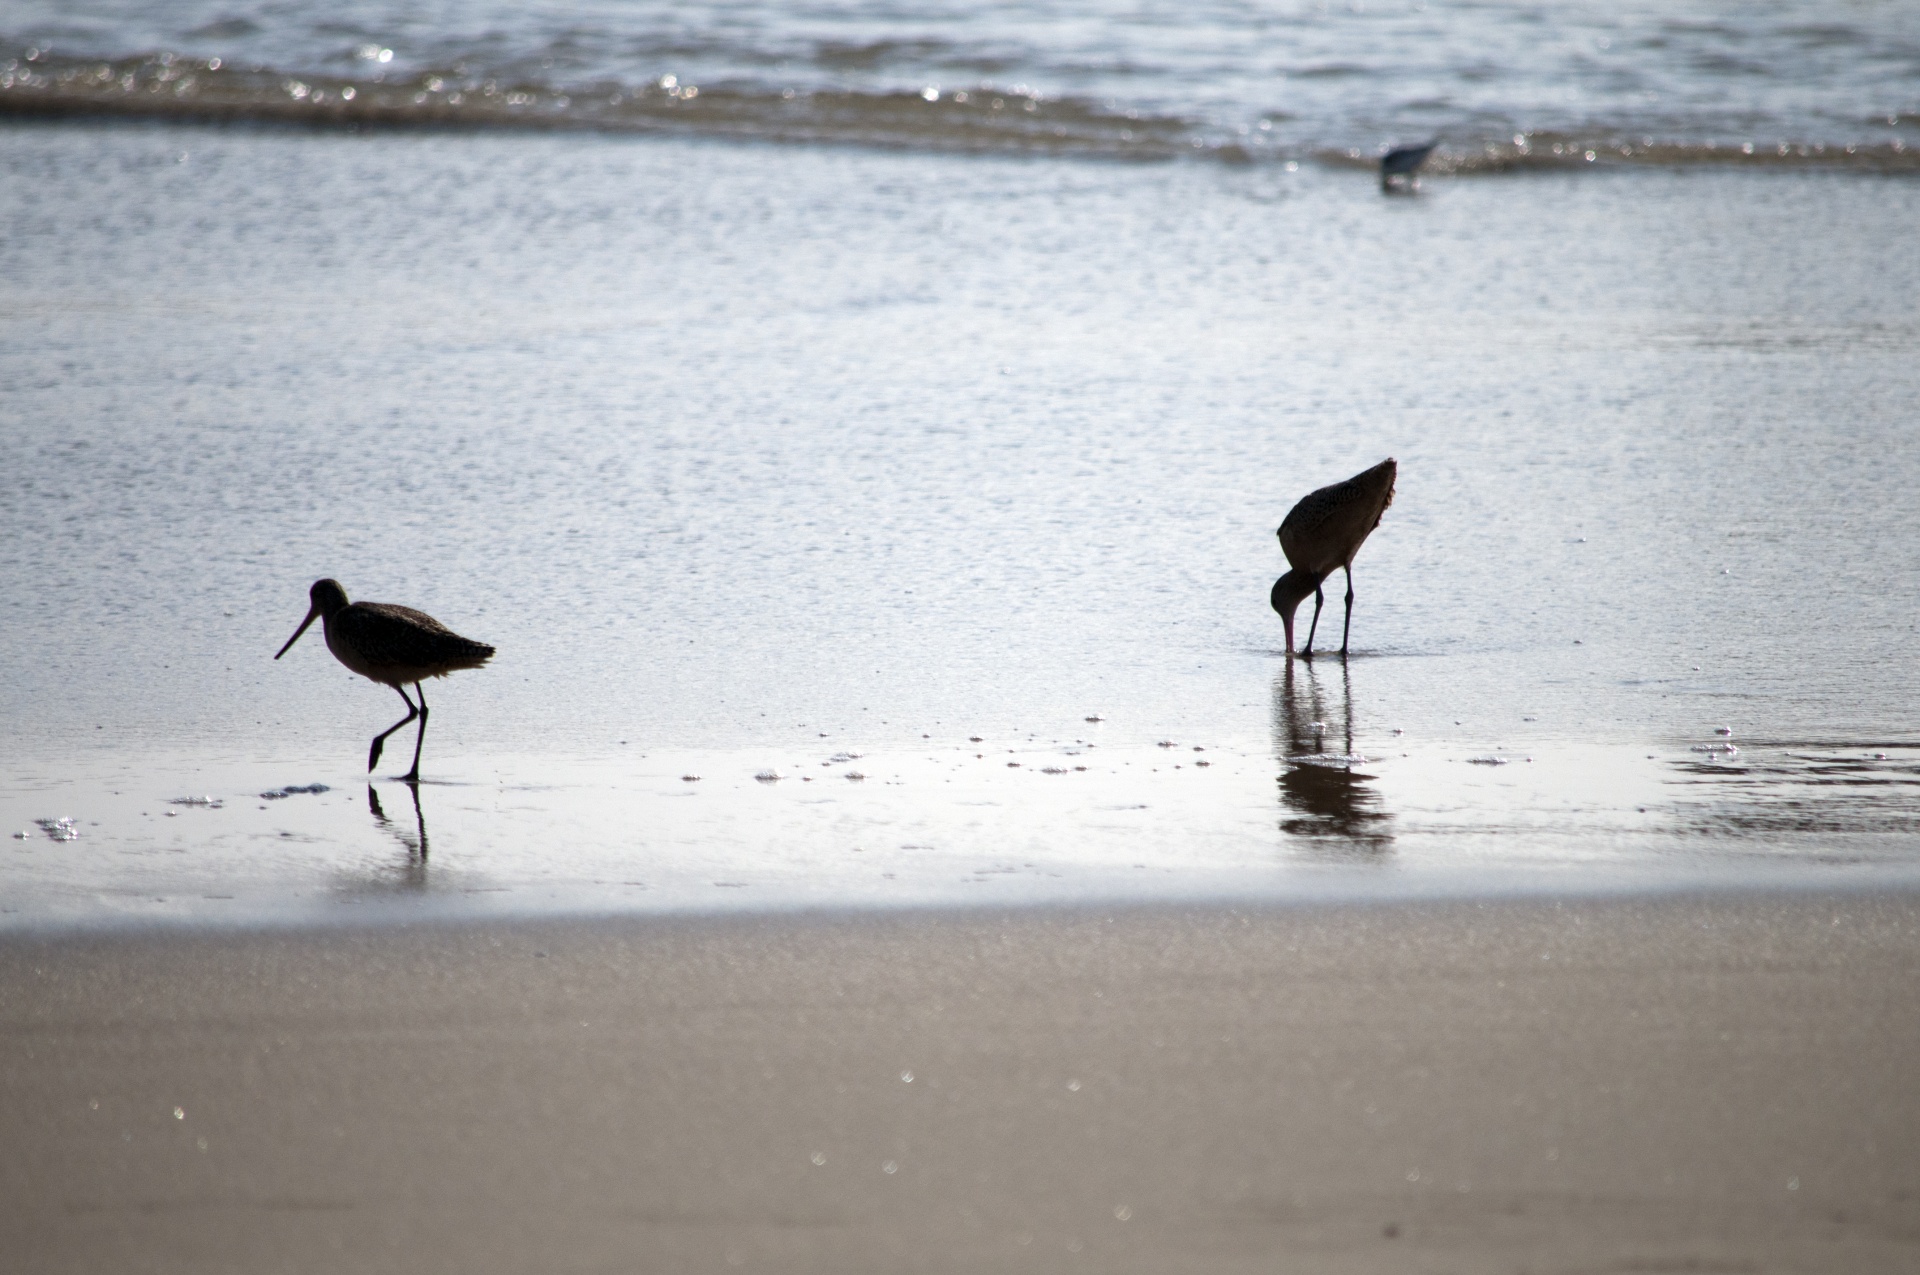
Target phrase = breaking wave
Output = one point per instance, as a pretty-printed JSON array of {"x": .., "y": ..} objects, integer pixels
[{"x": 980, "y": 120}]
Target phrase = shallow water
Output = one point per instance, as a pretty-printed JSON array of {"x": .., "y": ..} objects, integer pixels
[{"x": 748, "y": 456}]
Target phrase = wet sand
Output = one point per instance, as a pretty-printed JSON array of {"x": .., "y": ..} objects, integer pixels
[{"x": 1663, "y": 1083}]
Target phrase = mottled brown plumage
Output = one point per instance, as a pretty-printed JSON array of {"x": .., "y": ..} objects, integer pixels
[
  {"x": 1324, "y": 531},
  {"x": 392, "y": 645}
]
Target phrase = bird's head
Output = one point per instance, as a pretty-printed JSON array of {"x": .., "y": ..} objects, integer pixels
[
  {"x": 1289, "y": 591},
  {"x": 326, "y": 598}
]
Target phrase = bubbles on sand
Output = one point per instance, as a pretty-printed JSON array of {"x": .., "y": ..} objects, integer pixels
[
  {"x": 293, "y": 790},
  {"x": 205, "y": 803},
  {"x": 1323, "y": 759},
  {"x": 59, "y": 829},
  {"x": 769, "y": 776},
  {"x": 1489, "y": 759}
]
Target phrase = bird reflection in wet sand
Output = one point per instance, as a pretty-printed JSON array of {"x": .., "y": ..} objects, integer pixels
[
  {"x": 416, "y": 842},
  {"x": 1325, "y": 798}
]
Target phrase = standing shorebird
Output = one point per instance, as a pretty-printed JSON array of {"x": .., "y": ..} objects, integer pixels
[
  {"x": 1404, "y": 163},
  {"x": 392, "y": 645},
  {"x": 1325, "y": 530}
]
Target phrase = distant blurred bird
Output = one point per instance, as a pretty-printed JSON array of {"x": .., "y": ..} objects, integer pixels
[
  {"x": 392, "y": 645},
  {"x": 1403, "y": 163},
  {"x": 1325, "y": 530}
]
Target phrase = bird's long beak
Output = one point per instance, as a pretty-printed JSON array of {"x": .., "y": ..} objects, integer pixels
[
  {"x": 313, "y": 613},
  {"x": 1285, "y": 619}
]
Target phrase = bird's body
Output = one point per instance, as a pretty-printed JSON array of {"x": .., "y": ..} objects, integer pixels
[
  {"x": 1404, "y": 162},
  {"x": 392, "y": 645},
  {"x": 1324, "y": 531},
  {"x": 395, "y": 645}
]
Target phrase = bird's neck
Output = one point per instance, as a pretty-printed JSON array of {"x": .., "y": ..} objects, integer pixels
[{"x": 1307, "y": 581}]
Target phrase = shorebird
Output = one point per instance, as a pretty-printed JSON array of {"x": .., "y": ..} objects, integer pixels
[
  {"x": 1404, "y": 162},
  {"x": 392, "y": 645},
  {"x": 1325, "y": 530}
]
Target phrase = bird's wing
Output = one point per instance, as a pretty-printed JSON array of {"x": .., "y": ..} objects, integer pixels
[
  {"x": 1327, "y": 527},
  {"x": 1304, "y": 529},
  {"x": 1377, "y": 484},
  {"x": 401, "y": 637}
]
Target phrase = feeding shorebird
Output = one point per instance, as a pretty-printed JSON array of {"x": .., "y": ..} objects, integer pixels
[
  {"x": 1325, "y": 530},
  {"x": 392, "y": 645},
  {"x": 1404, "y": 162}
]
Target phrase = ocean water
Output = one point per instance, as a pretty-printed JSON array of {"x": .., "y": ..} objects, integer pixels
[
  {"x": 1516, "y": 84},
  {"x": 891, "y": 525}
]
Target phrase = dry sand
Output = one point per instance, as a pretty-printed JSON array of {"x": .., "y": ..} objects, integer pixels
[{"x": 1669, "y": 1084}]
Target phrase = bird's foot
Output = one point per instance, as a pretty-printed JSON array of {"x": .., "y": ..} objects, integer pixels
[
  {"x": 411, "y": 777},
  {"x": 1307, "y": 655}
]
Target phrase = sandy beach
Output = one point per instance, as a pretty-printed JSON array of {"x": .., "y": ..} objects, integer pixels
[{"x": 1658, "y": 1084}]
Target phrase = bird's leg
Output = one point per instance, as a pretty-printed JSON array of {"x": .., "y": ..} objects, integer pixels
[
  {"x": 1348, "y": 626},
  {"x": 380, "y": 740},
  {"x": 1319, "y": 600},
  {"x": 413, "y": 776}
]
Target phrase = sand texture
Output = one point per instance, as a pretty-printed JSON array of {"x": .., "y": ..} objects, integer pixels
[{"x": 1632, "y": 1085}]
